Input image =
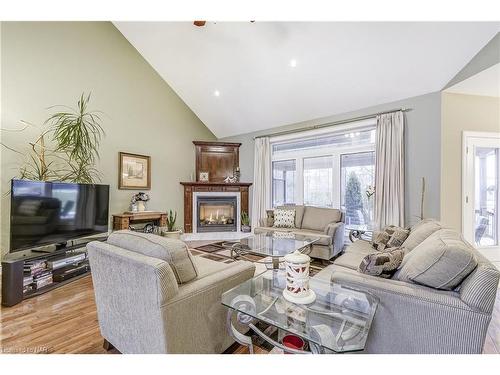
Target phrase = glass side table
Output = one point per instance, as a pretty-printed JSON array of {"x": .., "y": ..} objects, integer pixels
[
  {"x": 359, "y": 232},
  {"x": 338, "y": 321}
]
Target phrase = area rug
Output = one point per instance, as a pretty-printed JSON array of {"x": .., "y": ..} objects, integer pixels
[{"x": 215, "y": 251}]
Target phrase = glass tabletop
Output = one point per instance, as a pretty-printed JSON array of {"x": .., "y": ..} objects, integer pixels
[
  {"x": 275, "y": 244},
  {"x": 339, "y": 319}
]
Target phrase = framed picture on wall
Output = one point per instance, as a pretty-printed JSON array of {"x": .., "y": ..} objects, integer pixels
[{"x": 134, "y": 171}]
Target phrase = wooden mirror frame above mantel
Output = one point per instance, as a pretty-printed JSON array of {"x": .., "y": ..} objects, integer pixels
[{"x": 219, "y": 159}]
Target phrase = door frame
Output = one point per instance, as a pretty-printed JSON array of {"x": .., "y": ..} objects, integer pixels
[{"x": 468, "y": 189}]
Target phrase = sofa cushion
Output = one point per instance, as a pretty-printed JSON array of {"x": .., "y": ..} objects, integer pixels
[
  {"x": 382, "y": 264},
  {"x": 284, "y": 218},
  {"x": 302, "y": 234},
  {"x": 441, "y": 261},
  {"x": 360, "y": 247},
  {"x": 420, "y": 231},
  {"x": 299, "y": 213},
  {"x": 171, "y": 250},
  {"x": 316, "y": 218}
]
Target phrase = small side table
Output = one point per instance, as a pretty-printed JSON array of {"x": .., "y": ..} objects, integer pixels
[
  {"x": 359, "y": 232},
  {"x": 123, "y": 221}
]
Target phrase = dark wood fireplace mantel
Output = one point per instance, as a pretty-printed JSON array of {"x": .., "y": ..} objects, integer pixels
[{"x": 197, "y": 186}]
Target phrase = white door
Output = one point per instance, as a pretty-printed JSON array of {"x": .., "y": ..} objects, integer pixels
[{"x": 480, "y": 188}]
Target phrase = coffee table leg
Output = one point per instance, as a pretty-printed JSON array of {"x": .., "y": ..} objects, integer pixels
[{"x": 239, "y": 337}]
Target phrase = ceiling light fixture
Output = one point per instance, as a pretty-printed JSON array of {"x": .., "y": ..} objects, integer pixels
[
  {"x": 293, "y": 63},
  {"x": 217, "y": 93}
]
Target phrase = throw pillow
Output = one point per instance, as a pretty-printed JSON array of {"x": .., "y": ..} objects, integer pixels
[
  {"x": 382, "y": 264},
  {"x": 441, "y": 261},
  {"x": 284, "y": 218},
  {"x": 380, "y": 239},
  {"x": 398, "y": 236}
]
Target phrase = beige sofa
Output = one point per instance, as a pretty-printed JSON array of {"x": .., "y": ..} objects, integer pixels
[
  {"x": 327, "y": 224},
  {"x": 414, "y": 318},
  {"x": 152, "y": 296}
]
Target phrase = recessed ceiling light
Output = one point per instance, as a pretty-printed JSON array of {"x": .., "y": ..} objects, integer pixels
[
  {"x": 293, "y": 63},
  {"x": 216, "y": 93}
]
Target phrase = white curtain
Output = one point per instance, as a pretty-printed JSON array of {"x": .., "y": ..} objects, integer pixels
[
  {"x": 261, "y": 200},
  {"x": 390, "y": 170}
]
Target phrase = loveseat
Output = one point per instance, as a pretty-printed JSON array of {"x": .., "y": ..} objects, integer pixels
[
  {"x": 153, "y": 296},
  {"x": 413, "y": 317},
  {"x": 327, "y": 224}
]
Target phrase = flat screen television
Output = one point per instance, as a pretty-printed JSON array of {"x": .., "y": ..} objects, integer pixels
[{"x": 46, "y": 213}]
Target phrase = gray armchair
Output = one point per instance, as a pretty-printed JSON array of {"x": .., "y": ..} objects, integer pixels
[{"x": 142, "y": 307}]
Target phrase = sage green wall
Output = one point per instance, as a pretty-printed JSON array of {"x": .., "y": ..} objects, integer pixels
[{"x": 48, "y": 63}]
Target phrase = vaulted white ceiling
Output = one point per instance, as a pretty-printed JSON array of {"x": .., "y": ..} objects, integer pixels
[{"x": 339, "y": 66}]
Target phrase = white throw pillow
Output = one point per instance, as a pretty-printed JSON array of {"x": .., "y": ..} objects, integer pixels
[{"x": 284, "y": 218}]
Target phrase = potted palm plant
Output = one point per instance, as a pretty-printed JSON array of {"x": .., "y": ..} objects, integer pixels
[
  {"x": 245, "y": 222},
  {"x": 170, "y": 230}
]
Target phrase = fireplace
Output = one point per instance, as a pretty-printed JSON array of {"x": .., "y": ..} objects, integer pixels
[{"x": 216, "y": 213}]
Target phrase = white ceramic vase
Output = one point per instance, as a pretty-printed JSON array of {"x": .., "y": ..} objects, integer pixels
[{"x": 297, "y": 279}]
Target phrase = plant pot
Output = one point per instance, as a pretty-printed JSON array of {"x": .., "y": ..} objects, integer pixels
[
  {"x": 246, "y": 228},
  {"x": 141, "y": 206},
  {"x": 173, "y": 234}
]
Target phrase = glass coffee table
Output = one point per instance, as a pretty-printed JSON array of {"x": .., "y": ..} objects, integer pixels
[
  {"x": 274, "y": 245},
  {"x": 338, "y": 321}
]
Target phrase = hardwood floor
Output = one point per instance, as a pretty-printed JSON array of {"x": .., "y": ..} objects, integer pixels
[{"x": 64, "y": 320}]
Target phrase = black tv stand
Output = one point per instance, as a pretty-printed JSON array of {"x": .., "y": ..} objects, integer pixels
[{"x": 13, "y": 267}]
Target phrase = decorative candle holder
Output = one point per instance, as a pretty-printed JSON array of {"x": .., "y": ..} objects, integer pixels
[{"x": 297, "y": 279}]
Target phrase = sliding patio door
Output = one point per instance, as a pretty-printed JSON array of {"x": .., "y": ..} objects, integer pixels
[{"x": 480, "y": 187}]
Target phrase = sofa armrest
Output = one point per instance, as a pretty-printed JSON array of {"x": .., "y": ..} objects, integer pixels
[
  {"x": 226, "y": 279},
  {"x": 336, "y": 231},
  {"x": 195, "y": 318},
  {"x": 415, "y": 319},
  {"x": 381, "y": 287}
]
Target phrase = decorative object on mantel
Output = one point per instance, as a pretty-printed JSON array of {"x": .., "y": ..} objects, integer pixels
[
  {"x": 203, "y": 177},
  {"x": 138, "y": 202},
  {"x": 297, "y": 279},
  {"x": 245, "y": 222},
  {"x": 237, "y": 174},
  {"x": 134, "y": 171},
  {"x": 170, "y": 230},
  {"x": 230, "y": 180}
]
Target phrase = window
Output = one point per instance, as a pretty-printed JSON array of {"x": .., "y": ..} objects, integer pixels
[
  {"x": 283, "y": 182},
  {"x": 318, "y": 173},
  {"x": 357, "y": 174},
  {"x": 327, "y": 170}
]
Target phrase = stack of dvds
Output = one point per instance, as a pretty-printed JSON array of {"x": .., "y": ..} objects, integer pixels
[
  {"x": 39, "y": 274},
  {"x": 27, "y": 283}
]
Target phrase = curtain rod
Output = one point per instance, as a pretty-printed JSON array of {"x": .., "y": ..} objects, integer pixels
[{"x": 313, "y": 127}]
